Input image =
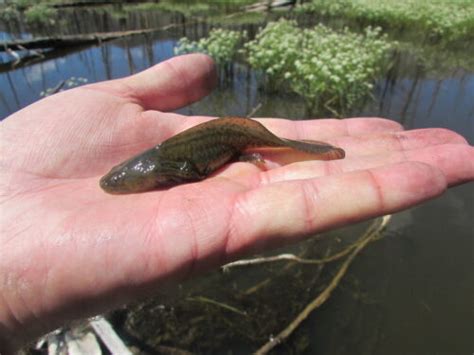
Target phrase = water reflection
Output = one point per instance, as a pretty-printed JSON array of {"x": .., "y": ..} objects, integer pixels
[
  {"x": 414, "y": 97},
  {"x": 419, "y": 277},
  {"x": 23, "y": 86},
  {"x": 90, "y": 20}
]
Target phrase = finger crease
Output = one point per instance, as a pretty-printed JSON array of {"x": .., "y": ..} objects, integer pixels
[
  {"x": 233, "y": 226},
  {"x": 310, "y": 196},
  {"x": 400, "y": 140},
  {"x": 378, "y": 190}
]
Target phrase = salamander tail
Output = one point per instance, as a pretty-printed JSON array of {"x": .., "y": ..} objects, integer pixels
[{"x": 322, "y": 151}]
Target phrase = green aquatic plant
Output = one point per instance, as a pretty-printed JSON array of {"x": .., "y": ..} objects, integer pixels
[
  {"x": 332, "y": 71},
  {"x": 237, "y": 19},
  {"x": 33, "y": 11},
  {"x": 22, "y": 4},
  {"x": 40, "y": 13},
  {"x": 222, "y": 45},
  {"x": 187, "y": 9},
  {"x": 8, "y": 13},
  {"x": 275, "y": 50},
  {"x": 439, "y": 19}
]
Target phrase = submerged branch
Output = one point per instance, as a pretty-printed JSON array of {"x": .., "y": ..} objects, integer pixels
[
  {"x": 254, "y": 110},
  {"x": 107, "y": 334},
  {"x": 67, "y": 40},
  {"x": 377, "y": 226},
  {"x": 290, "y": 257},
  {"x": 267, "y": 280},
  {"x": 218, "y": 304}
]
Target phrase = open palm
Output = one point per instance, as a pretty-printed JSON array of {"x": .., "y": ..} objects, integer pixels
[{"x": 67, "y": 249}]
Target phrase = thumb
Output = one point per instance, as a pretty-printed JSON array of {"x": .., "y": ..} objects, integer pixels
[{"x": 173, "y": 83}]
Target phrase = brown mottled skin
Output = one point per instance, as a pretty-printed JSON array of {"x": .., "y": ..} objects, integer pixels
[{"x": 197, "y": 152}]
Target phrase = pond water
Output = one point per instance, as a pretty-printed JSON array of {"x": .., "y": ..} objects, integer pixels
[{"x": 415, "y": 286}]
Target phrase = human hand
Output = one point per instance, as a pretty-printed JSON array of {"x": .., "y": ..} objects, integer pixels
[{"x": 69, "y": 250}]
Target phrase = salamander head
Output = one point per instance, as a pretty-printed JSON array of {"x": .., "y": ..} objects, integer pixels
[
  {"x": 129, "y": 177},
  {"x": 138, "y": 174},
  {"x": 148, "y": 171}
]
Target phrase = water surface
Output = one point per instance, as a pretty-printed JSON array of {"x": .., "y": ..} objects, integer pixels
[{"x": 409, "y": 293}]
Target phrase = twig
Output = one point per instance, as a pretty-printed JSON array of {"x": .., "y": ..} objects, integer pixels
[
  {"x": 219, "y": 304},
  {"x": 372, "y": 231},
  {"x": 71, "y": 40},
  {"x": 261, "y": 260},
  {"x": 14, "y": 55},
  {"x": 254, "y": 110},
  {"x": 107, "y": 334},
  {"x": 257, "y": 287},
  {"x": 320, "y": 268},
  {"x": 32, "y": 51},
  {"x": 58, "y": 87},
  {"x": 168, "y": 350},
  {"x": 289, "y": 257},
  {"x": 329, "y": 108},
  {"x": 266, "y": 281}
]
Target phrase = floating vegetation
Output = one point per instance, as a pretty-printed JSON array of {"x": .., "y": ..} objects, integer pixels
[
  {"x": 441, "y": 19},
  {"x": 333, "y": 71},
  {"x": 222, "y": 45}
]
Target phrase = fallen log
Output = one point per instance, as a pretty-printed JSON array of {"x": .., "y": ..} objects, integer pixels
[
  {"x": 96, "y": 3},
  {"x": 67, "y": 41},
  {"x": 270, "y": 4},
  {"x": 30, "y": 59}
]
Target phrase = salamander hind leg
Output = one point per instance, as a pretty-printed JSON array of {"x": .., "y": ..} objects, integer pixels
[{"x": 254, "y": 158}]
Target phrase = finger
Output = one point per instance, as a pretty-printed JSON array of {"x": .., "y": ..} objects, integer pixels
[
  {"x": 321, "y": 129},
  {"x": 378, "y": 143},
  {"x": 173, "y": 83},
  {"x": 397, "y": 141},
  {"x": 384, "y": 142},
  {"x": 455, "y": 161},
  {"x": 362, "y": 152},
  {"x": 291, "y": 209}
]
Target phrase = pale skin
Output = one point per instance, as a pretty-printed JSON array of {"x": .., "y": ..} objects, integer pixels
[{"x": 68, "y": 250}]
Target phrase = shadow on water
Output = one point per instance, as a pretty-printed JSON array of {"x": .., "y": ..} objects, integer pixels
[{"x": 410, "y": 292}]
